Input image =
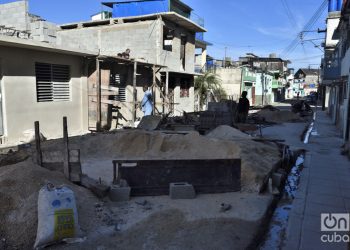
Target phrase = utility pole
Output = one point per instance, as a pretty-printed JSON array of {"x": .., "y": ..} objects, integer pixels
[{"x": 225, "y": 57}]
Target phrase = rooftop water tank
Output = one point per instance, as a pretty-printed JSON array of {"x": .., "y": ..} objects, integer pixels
[
  {"x": 339, "y": 5},
  {"x": 332, "y": 5}
]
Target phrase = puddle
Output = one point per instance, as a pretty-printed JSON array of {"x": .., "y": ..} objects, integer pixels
[{"x": 278, "y": 225}]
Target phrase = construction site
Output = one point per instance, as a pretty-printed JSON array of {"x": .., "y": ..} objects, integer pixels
[{"x": 121, "y": 132}]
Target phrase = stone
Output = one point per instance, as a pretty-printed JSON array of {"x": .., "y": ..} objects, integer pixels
[
  {"x": 277, "y": 179},
  {"x": 181, "y": 190},
  {"x": 118, "y": 193}
]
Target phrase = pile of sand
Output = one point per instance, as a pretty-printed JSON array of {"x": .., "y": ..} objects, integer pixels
[
  {"x": 279, "y": 116},
  {"x": 226, "y": 133},
  {"x": 19, "y": 188},
  {"x": 257, "y": 159}
]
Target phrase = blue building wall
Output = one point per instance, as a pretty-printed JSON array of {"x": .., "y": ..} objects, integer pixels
[{"x": 139, "y": 8}]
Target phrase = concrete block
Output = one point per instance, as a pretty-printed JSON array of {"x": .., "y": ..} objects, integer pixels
[
  {"x": 118, "y": 193},
  {"x": 277, "y": 179},
  {"x": 99, "y": 189},
  {"x": 181, "y": 190}
]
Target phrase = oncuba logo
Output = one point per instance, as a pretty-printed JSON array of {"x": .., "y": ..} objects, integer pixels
[{"x": 333, "y": 224}]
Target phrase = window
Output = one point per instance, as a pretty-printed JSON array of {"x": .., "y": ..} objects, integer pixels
[
  {"x": 184, "y": 89},
  {"x": 168, "y": 36},
  {"x": 52, "y": 82}
]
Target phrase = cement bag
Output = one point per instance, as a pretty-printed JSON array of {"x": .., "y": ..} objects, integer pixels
[{"x": 57, "y": 216}]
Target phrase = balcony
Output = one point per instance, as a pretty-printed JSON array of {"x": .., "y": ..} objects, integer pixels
[{"x": 331, "y": 73}]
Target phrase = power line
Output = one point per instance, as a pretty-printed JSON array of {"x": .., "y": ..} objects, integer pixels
[
  {"x": 308, "y": 26},
  {"x": 289, "y": 13}
]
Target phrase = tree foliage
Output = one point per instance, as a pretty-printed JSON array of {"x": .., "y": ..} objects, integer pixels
[{"x": 205, "y": 83}]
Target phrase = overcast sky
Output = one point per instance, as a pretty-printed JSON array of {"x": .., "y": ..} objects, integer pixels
[{"x": 258, "y": 26}]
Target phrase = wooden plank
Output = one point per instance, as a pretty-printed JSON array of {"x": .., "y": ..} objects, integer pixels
[
  {"x": 110, "y": 88},
  {"x": 66, "y": 169},
  {"x": 38, "y": 144},
  {"x": 98, "y": 84},
  {"x": 110, "y": 102},
  {"x": 103, "y": 93},
  {"x": 134, "y": 93},
  {"x": 92, "y": 107},
  {"x": 152, "y": 177}
]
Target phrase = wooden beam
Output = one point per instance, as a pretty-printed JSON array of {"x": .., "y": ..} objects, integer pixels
[
  {"x": 98, "y": 87},
  {"x": 134, "y": 93},
  {"x": 153, "y": 89},
  {"x": 39, "y": 156},
  {"x": 111, "y": 102},
  {"x": 66, "y": 169}
]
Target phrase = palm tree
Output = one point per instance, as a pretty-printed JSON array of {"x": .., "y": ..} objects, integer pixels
[{"x": 208, "y": 84}]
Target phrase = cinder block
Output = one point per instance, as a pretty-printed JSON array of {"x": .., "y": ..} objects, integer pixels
[
  {"x": 181, "y": 190},
  {"x": 118, "y": 193},
  {"x": 277, "y": 179}
]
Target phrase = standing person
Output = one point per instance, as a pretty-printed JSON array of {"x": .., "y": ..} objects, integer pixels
[
  {"x": 147, "y": 102},
  {"x": 243, "y": 107}
]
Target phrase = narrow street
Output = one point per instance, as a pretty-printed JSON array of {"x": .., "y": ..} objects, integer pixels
[
  {"x": 175, "y": 125},
  {"x": 324, "y": 184}
]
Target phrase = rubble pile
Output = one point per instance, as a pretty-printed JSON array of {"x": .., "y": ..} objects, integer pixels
[{"x": 278, "y": 116}]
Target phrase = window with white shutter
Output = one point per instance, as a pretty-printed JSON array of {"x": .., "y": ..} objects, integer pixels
[{"x": 52, "y": 82}]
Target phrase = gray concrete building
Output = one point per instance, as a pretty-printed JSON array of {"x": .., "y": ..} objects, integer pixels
[
  {"x": 166, "y": 39},
  {"x": 41, "y": 82}
]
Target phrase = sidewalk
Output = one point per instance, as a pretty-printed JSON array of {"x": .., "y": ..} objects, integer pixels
[{"x": 324, "y": 188}]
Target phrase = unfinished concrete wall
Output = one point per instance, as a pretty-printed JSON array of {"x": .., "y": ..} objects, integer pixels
[
  {"x": 43, "y": 31},
  {"x": 20, "y": 105},
  {"x": 231, "y": 81},
  {"x": 14, "y": 15},
  {"x": 144, "y": 39},
  {"x": 141, "y": 38},
  {"x": 172, "y": 58}
]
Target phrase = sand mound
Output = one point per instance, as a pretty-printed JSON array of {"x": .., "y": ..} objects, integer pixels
[
  {"x": 19, "y": 187},
  {"x": 227, "y": 132},
  {"x": 136, "y": 144},
  {"x": 279, "y": 116}
]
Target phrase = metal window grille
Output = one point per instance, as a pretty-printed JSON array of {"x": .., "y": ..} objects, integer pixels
[{"x": 52, "y": 82}]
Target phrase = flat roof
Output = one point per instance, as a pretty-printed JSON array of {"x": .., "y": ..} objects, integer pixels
[
  {"x": 10, "y": 41},
  {"x": 170, "y": 16},
  {"x": 110, "y": 4}
]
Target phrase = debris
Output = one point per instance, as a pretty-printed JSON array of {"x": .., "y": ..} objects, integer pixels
[
  {"x": 119, "y": 193},
  {"x": 226, "y": 133},
  {"x": 13, "y": 157},
  {"x": 181, "y": 191},
  {"x": 57, "y": 215},
  {"x": 225, "y": 207},
  {"x": 150, "y": 122},
  {"x": 278, "y": 116},
  {"x": 99, "y": 189}
]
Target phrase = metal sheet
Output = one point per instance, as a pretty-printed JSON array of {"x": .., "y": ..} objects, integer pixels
[{"x": 152, "y": 177}]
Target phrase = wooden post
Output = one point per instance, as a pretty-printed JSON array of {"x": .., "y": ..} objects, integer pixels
[
  {"x": 134, "y": 93},
  {"x": 66, "y": 169},
  {"x": 153, "y": 90},
  {"x": 167, "y": 88},
  {"x": 39, "y": 156},
  {"x": 98, "y": 89}
]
